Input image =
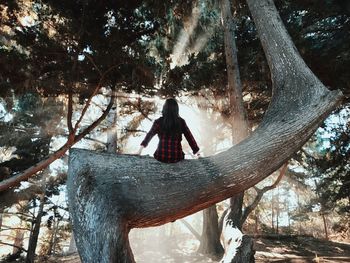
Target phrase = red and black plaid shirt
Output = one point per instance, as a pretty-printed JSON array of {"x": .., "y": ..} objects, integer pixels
[{"x": 169, "y": 147}]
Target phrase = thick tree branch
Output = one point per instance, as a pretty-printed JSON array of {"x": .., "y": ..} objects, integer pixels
[{"x": 109, "y": 194}]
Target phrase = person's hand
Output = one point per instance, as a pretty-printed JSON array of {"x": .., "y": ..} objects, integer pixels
[{"x": 140, "y": 150}]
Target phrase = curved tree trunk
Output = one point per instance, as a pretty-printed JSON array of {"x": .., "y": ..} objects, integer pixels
[{"x": 110, "y": 194}]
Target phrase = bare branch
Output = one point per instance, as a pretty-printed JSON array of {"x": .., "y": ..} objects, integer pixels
[
  {"x": 93, "y": 63},
  {"x": 4, "y": 228},
  {"x": 261, "y": 192},
  {"x": 97, "y": 122},
  {"x": 12, "y": 245},
  {"x": 134, "y": 130},
  {"x": 98, "y": 87},
  {"x": 15, "y": 180},
  {"x": 192, "y": 230}
]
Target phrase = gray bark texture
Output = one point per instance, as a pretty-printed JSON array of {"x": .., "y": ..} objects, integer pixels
[
  {"x": 210, "y": 239},
  {"x": 109, "y": 194},
  {"x": 245, "y": 253}
]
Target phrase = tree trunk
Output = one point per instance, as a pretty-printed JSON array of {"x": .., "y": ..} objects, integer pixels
[
  {"x": 33, "y": 240},
  {"x": 325, "y": 225},
  {"x": 112, "y": 135},
  {"x": 239, "y": 122},
  {"x": 238, "y": 118},
  {"x": 53, "y": 250},
  {"x": 18, "y": 243},
  {"x": 256, "y": 225},
  {"x": 272, "y": 214},
  {"x": 236, "y": 204},
  {"x": 277, "y": 212},
  {"x": 237, "y": 112},
  {"x": 1, "y": 215},
  {"x": 210, "y": 239},
  {"x": 245, "y": 253},
  {"x": 53, "y": 239},
  {"x": 109, "y": 194}
]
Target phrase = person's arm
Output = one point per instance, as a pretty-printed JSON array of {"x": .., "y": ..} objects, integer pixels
[
  {"x": 189, "y": 137},
  {"x": 153, "y": 131}
]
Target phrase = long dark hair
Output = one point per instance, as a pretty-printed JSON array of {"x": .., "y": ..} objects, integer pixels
[{"x": 171, "y": 123}]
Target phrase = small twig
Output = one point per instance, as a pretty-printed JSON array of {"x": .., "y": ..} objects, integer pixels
[
  {"x": 134, "y": 130},
  {"x": 98, "y": 87},
  {"x": 93, "y": 63}
]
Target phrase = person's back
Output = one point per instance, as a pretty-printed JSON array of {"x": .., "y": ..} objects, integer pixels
[{"x": 170, "y": 128}]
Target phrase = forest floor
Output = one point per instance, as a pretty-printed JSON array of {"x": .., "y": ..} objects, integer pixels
[{"x": 182, "y": 249}]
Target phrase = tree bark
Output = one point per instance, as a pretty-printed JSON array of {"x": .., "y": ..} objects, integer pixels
[
  {"x": 110, "y": 194},
  {"x": 238, "y": 117},
  {"x": 239, "y": 122},
  {"x": 210, "y": 239},
  {"x": 112, "y": 132},
  {"x": 18, "y": 243},
  {"x": 325, "y": 225},
  {"x": 34, "y": 235},
  {"x": 1, "y": 215}
]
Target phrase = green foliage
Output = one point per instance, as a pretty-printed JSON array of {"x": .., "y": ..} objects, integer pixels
[{"x": 329, "y": 163}]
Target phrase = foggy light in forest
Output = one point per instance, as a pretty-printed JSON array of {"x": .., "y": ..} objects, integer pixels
[
  {"x": 186, "y": 44},
  {"x": 27, "y": 21},
  {"x": 179, "y": 56}
]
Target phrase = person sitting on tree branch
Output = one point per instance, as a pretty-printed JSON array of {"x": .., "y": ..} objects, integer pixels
[{"x": 170, "y": 128}]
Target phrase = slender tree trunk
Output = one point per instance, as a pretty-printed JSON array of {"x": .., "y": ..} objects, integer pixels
[
  {"x": 53, "y": 239},
  {"x": 49, "y": 249},
  {"x": 210, "y": 244},
  {"x": 256, "y": 225},
  {"x": 237, "y": 112},
  {"x": 238, "y": 119},
  {"x": 112, "y": 134},
  {"x": 210, "y": 239},
  {"x": 1, "y": 215},
  {"x": 277, "y": 212},
  {"x": 33, "y": 240},
  {"x": 54, "y": 243},
  {"x": 18, "y": 243},
  {"x": 109, "y": 194},
  {"x": 325, "y": 225},
  {"x": 272, "y": 214}
]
